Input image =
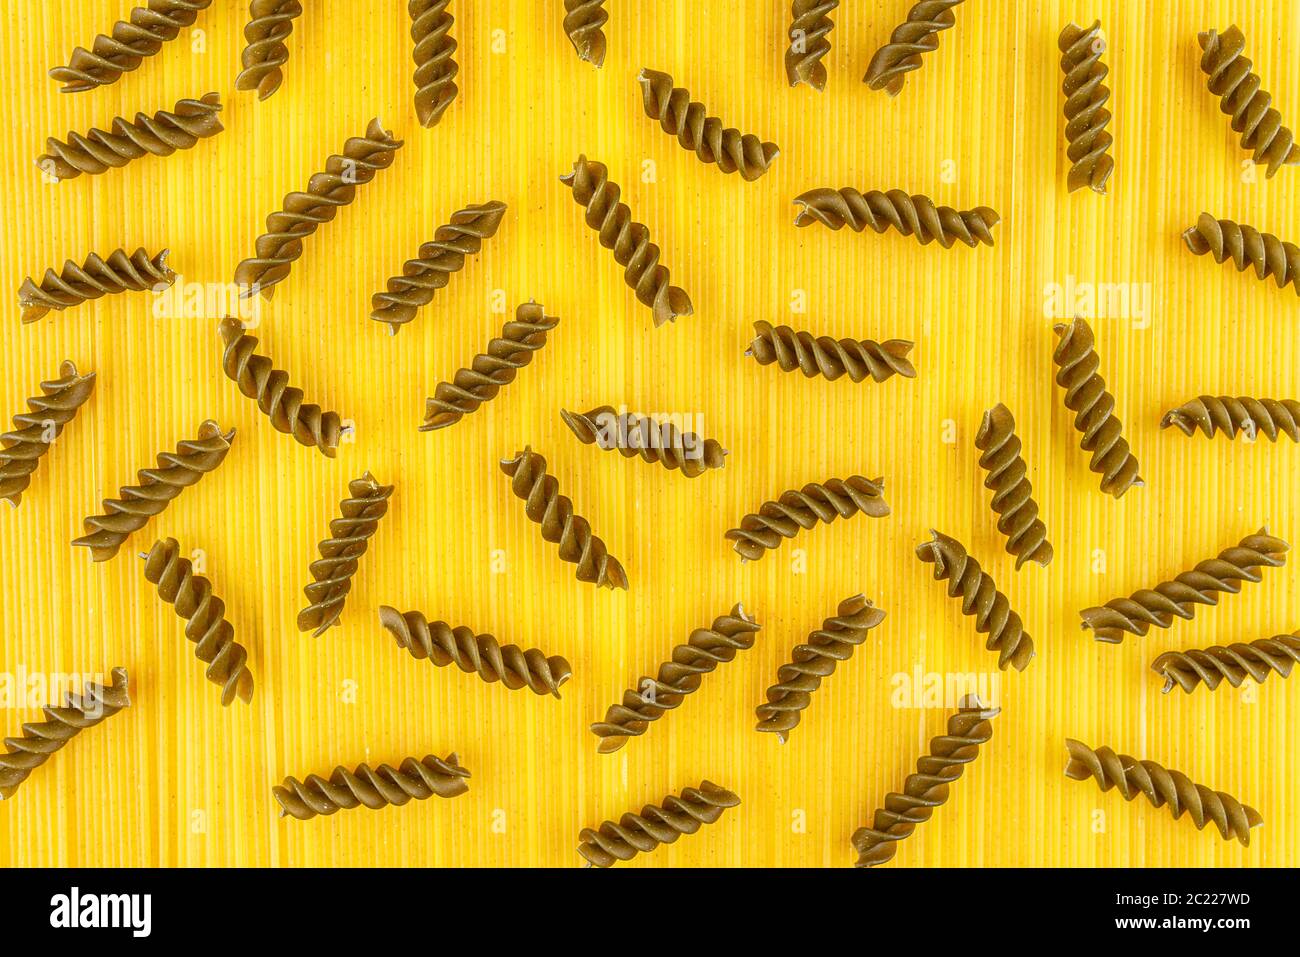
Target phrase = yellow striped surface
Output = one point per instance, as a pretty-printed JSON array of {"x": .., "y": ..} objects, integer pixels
[{"x": 177, "y": 780}]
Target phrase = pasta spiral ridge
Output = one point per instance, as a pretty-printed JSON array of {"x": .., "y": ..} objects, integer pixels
[
  {"x": 927, "y": 788},
  {"x": 688, "y": 120},
  {"x": 1247, "y": 247},
  {"x": 205, "y": 619},
  {"x": 434, "y": 54},
  {"x": 545, "y": 506},
  {"x": 1210, "y": 666},
  {"x": 917, "y": 35},
  {"x": 584, "y": 22},
  {"x": 1231, "y": 77},
  {"x": 129, "y": 42},
  {"x": 161, "y": 134},
  {"x": 302, "y": 213},
  {"x": 35, "y": 429},
  {"x": 655, "y": 442},
  {"x": 340, "y": 554},
  {"x": 803, "y": 508},
  {"x": 374, "y": 788},
  {"x": 490, "y": 370},
  {"x": 859, "y": 359},
  {"x": 980, "y": 599},
  {"x": 432, "y": 268},
  {"x": 679, "y": 676},
  {"x": 92, "y": 279},
  {"x": 41, "y": 739},
  {"x": 810, "y": 22},
  {"x": 270, "y": 22},
  {"x": 656, "y": 824},
  {"x": 1100, "y": 430},
  {"x": 1086, "y": 116},
  {"x": 1159, "y": 606},
  {"x": 175, "y": 472},
  {"x": 911, "y": 215},
  {"x": 1013, "y": 496},
  {"x": 1162, "y": 788},
  {"x": 814, "y": 660},
  {"x": 269, "y": 387},
  {"x": 1233, "y": 415},
  {"x": 629, "y": 240},
  {"x": 483, "y": 655}
]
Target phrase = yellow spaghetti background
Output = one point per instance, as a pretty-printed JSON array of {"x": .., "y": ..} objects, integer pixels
[{"x": 177, "y": 780}]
